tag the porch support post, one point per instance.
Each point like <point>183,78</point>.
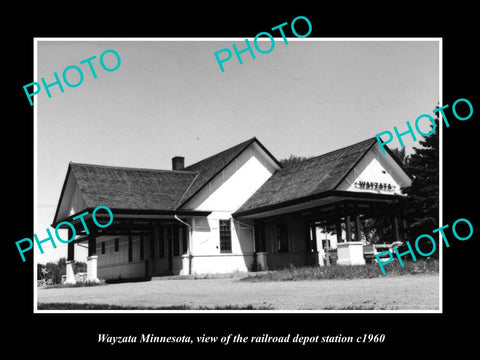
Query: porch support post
<point>152,243</point>
<point>338,229</point>
<point>186,258</point>
<point>92,243</point>
<point>348,228</point>
<point>70,247</point>
<point>70,278</point>
<point>403,223</point>
<point>260,247</point>
<point>130,247</point>
<point>307,226</point>
<point>404,229</point>
<point>261,257</point>
<point>189,230</point>
<point>151,254</point>
<point>357,228</point>
<point>92,257</point>
<point>396,235</point>
<point>310,243</point>
<point>313,229</point>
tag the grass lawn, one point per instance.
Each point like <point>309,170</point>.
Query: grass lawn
<point>367,271</point>
<point>86,306</point>
<point>289,289</point>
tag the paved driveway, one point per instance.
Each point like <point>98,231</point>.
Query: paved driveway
<point>418,292</point>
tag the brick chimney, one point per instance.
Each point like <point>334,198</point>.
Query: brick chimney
<point>178,163</point>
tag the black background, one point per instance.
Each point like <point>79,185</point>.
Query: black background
<point>407,334</point>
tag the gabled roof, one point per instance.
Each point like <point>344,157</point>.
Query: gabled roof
<point>124,188</point>
<point>131,188</point>
<point>208,168</point>
<point>307,178</point>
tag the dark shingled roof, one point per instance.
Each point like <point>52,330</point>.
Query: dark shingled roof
<point>169,190</point>
<point>309,177</point>
<point>149,189</point>
<point>130,188</point>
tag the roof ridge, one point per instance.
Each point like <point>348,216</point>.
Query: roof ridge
<point>328,153</point>
<point>241,148</point>
<point>309,177</point>
<point>249,141</point>
<point>343,148</point>
<point>180,200</point>
<point>134,168</point>
<point>356,162</point>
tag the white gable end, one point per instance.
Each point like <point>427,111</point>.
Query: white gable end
<point>72,200</point>
<point>236,183</point>
<point>376,173</point>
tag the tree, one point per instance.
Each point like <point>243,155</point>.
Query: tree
<point>79,266</point>
<point>377,230</point>
<point>380,229</point>
<point>402,156</point>
<point>56,270</point>
<point>293,159</point>
<point>422,211</point>
<point>41,268</point>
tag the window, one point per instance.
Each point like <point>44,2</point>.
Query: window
<point>116,245</point>
<point>282,240</point>
<point>176,241</point>
<point>225,236</point>
<point>161,243</point>
<point>103,247</point>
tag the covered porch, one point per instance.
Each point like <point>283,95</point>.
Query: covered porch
<point>324,231</point>
<point>136,246</point>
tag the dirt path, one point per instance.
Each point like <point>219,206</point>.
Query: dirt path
<point>410,292</point>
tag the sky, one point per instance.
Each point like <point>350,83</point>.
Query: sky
<point>170,98</point>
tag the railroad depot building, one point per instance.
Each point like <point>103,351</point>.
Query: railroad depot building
<point>237,210</point>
